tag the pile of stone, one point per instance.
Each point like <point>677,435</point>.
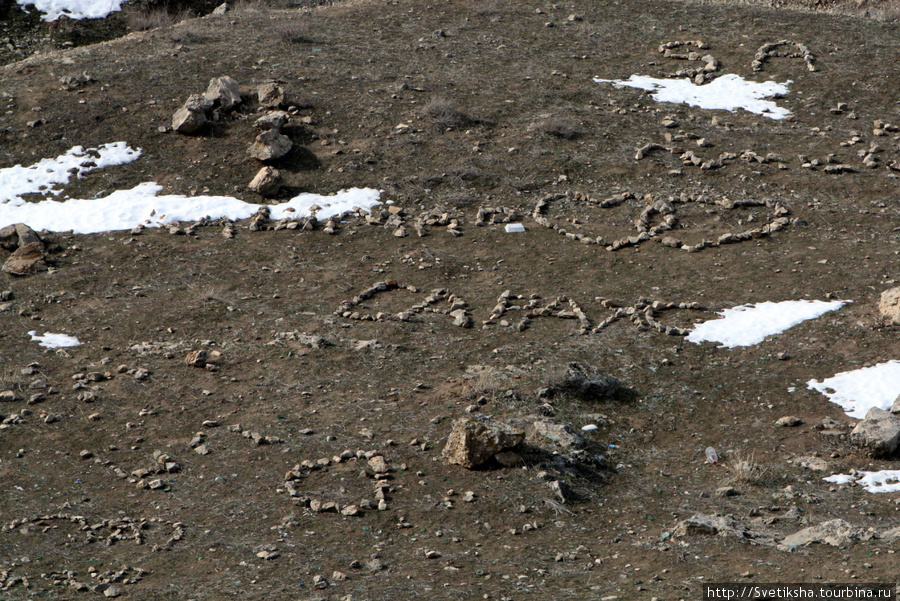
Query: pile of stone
<point>793,50</point>
<point>165,464</point>
<point>665,208</point>
<point>28,251</point>
<point>377,467</point>
<point>644,313</point>
<point>120,529</point>
<point>257,437</point>
<point>699,75</point>
<point>533,310</point>
<point>222,95</point>
<point>495,215</point>
<point>882,128</point>
<point>437,218</point>
<point>106,583</point>
<point>458,308</point>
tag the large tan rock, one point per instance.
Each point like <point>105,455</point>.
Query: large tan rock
<point>270,95</point>
<point>890,305</point>
<point>878,433</point>
<point>270,145</point>
<point>546,432</point>
<point>26,260</point>
<point>473,441</point>
<point>267,182</point>
<point>223,92</point>
<point>836,533</point>
<point>188,121</point>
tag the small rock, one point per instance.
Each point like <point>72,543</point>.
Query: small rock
<point>461,318</point>
<point>196,358</point>
<point>272,120</point>
<point>379,465</point>
<point>270,145</point>
<point>815,464</point>
<point>320,582</point>
<point>187,121</point>
<point>112,592</point>
<point>223,92</point>
<point>201,449</point>
<point>350,510</point>
<point>789,421</point>
<point>727,491</point>
<point>221,9</point>
<point>267,182</point>
<point>8,396</point>
<point>468,497</point>
<point>270,95</point>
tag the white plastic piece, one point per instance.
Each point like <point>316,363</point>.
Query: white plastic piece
<point>512,228</point>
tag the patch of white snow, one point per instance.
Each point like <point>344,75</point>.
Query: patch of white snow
<point>48,340</point>
<point>728,92</point>
<point>747,325</point>
<point>874,482</point>
<point>74,9</point>
<point>43,175</point>
<point>859,390</point>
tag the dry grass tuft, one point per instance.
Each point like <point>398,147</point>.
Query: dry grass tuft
<point>445,115</point>
<point>560,127</point>
<point>145,19</point>
<point>295,33</point>
<point>745,469</point>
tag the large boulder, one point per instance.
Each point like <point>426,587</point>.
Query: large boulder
<point>890,305</point>
<point>895,408</point>
<point>26,260</point>
<point>473,441</point>
<point>583,381</point>
<point>836,533</point>
<point>878,433</point>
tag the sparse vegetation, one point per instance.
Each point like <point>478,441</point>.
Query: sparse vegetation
<point>445,115</point>
<point>745,468</point>
<point>557,126</point>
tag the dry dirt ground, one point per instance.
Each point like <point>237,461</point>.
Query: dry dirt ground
<point>498,110</point>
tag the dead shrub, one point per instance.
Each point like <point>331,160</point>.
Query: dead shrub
<point>557,126</point>
<point>445,115</point>
<point>295,33</point>
<point>138,19</point>
<point>745,469</point>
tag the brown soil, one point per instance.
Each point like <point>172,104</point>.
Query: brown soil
<point>521,119</point>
